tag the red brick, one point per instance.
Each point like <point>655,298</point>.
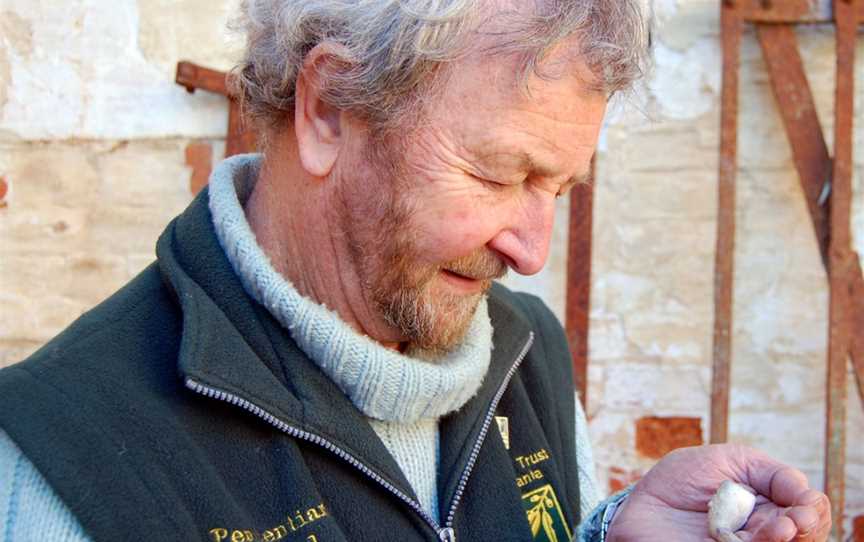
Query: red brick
<point>199,156</point>
<point>857,529</point>
<point>4,189</point>
<point>657,436</point>
<point>620,478</point>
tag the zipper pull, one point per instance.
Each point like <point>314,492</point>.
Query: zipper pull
<point>447,535</point>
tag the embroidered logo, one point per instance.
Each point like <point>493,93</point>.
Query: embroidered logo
<point>545,516</point>
<point>504,428</point>
<point>290,524</point>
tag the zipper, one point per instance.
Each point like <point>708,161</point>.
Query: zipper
<point>487,421</point>
<point>220,395</point>
<point>446,533</point>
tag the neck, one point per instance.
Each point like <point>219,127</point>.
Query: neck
<point>300,236</point>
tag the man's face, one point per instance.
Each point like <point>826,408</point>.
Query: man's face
<point>401,275</point>
<point>433,217</point>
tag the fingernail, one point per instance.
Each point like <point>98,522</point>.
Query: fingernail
<point>807,531</point>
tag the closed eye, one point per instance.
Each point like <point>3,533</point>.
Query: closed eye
<point>495,185</point>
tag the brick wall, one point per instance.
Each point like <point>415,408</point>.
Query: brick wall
<point>93,163</point>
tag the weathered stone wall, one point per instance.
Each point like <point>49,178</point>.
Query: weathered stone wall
<point>652,298</point>
<point>93,133</point>
<point>93,138</point>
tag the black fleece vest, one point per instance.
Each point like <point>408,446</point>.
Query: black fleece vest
<point>179,409</point>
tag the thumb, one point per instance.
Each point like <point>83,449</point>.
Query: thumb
<point>779,482</point>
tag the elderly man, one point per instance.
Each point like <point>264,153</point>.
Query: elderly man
<point>319,352</point>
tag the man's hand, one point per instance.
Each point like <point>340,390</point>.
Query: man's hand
<point>670,503</point>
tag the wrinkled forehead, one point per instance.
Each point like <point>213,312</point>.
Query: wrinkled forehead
<point>483,114</point>
<point>495,81</point>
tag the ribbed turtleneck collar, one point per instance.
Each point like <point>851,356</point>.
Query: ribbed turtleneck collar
<point>382,383</point>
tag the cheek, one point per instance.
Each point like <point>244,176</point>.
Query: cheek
<point>451,232</point>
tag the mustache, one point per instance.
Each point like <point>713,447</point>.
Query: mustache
<point>482,264</point>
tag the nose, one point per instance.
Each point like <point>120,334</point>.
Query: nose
<point>524,238</point>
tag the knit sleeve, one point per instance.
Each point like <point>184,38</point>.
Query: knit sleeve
<point>589,493</point>
<point>593,528</point>
<point>596,514</point>
<point>29,508</point>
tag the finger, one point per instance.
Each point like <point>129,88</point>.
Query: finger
<point>820,534</point>
<point>781,529</point>
<point>787,485</point>
<point>806,519</point>
<point>780,483</point>
<point>817,501</point>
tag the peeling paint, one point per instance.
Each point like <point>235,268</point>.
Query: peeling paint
<point>5,78</point>
<point>17,32</point>
<point>686,85</point>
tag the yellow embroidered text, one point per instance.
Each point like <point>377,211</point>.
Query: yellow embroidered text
<point>532,459</point>
<point>292,523</point>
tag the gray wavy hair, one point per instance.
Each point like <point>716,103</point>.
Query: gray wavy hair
<point>396,49</point>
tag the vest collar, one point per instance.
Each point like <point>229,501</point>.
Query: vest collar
<point>232,344</point>
<point>382,383</point>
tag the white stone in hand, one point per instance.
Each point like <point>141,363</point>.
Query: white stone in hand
<point>729,510</point>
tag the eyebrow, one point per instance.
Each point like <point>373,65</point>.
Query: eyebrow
<point>582,178</point>
<point>530,164</point>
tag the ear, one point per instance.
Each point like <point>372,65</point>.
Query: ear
<point>317,124</point>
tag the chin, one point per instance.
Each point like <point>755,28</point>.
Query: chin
<point>443,322</point>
